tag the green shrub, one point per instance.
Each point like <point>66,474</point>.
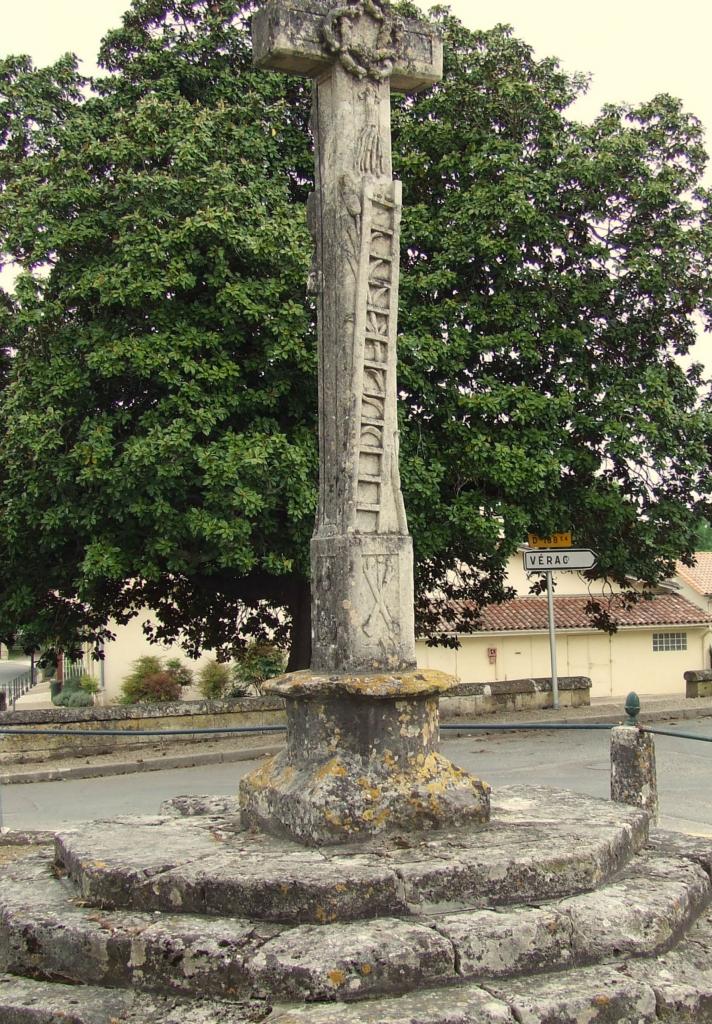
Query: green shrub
<point>79,699</point>
<point>256,664</point>
<point>76,692</point>
<point>89,685</point>
<point>180,671</point>
<point>144,686</point>
<point>214,680</point>
<point>132,688</point>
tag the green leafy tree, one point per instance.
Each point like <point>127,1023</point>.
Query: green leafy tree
<point>254,666</point>
<point>159,421</point>
<point>704,537</point>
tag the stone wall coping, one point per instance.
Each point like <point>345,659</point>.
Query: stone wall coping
<point>703,675</point>
<point>510,686</point>
<point>182,709</point>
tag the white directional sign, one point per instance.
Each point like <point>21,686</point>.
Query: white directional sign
<point>559,560</point>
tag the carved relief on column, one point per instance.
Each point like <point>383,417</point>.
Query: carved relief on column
<point>365,36</point>
<point>370,157</point>
<point>382,578</point>
<point>376,506</point>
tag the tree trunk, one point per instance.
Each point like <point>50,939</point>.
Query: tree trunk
<point>300,609</point>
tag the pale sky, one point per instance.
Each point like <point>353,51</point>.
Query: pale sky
<point>633,48</point>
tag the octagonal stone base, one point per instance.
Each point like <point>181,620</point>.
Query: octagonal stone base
<point>361,760</point>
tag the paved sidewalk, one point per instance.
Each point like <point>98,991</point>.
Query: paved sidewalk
<point>233,748</point>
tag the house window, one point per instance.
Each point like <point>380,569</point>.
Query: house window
<point>669,641</point>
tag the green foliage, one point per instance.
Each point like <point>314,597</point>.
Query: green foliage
<point>78,699</point>
<point>253,666</point>
<point>89,685</point>
<point>180,671</point>
<point>214,680</point>
<point>149,682</point>
<point>153,688</point>
<point>704,537</point>
<point>76,692</point>
<point>159,415</point>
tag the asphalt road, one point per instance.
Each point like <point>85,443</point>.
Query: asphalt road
<point>570,760</point>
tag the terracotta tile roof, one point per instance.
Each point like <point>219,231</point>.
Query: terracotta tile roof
<point>699,577</point>
<point>530,613</point>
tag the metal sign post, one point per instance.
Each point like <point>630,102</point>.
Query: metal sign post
<point>552,640</point>
<point>558,558</point>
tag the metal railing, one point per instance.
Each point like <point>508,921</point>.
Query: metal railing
<point>18,687</point>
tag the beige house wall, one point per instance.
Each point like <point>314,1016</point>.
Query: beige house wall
<point>616,664</point>
<point>130,644</point>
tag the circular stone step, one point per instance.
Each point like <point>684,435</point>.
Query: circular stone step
<point>541,844</point>
<point>45,932</point>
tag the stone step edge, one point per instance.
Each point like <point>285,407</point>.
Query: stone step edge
<point>598,995</point>
<point>183,884</point>
<point>189,955</point>
<point>29,1001</point>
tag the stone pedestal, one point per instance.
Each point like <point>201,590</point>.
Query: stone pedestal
<point>633,774</point>
<point>361,760</point>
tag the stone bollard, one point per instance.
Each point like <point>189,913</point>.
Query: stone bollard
<point>3,700</point>
<point>633,775</point>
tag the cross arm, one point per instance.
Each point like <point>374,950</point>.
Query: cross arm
<point>286,36</point>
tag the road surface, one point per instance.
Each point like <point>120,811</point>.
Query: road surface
<point>570,760</point>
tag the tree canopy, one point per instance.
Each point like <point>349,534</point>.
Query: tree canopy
<point>158,405</point>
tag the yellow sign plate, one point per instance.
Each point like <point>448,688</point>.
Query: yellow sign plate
<point>557,540</point>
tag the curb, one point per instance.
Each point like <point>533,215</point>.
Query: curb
<point>152,764</point>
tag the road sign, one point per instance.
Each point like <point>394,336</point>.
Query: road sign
<point>556,540</point>
<point>559,561</point>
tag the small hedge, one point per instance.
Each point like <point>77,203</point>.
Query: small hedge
<point>153,682</point>
<point>76,692</point>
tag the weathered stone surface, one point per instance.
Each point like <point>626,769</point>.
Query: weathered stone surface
<point>24,1001</point>
<point>467,699</point>
<point>287,36</point>
<point>597,995</point>
<point>361,760</point>
<point>219,869</point>
<point>698,684</point>
<point>674,844</point>
<point>682,978</point>
<point>44,932</point>
<point>352,961</point>
<point>633,775</point>
<point>200,806</point>
<point>383,773</point>
<point>209,865</point>
<point>203,714</point>
<point>642,914</point>
<point>492,944</point>
<point>465,1004</point>
<point>349,797</point>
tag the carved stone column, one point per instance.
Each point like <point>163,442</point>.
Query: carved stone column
<point>362,723</point>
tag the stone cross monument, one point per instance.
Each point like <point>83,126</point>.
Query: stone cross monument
<point>362,724</point>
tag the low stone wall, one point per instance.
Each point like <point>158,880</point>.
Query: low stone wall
<point>465,700</point>
<point>698,684</point>
<point>205,714</point>
<point>472,699</point>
